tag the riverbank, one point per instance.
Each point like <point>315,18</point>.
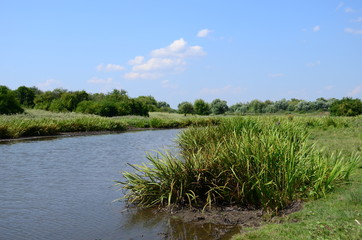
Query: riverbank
<point>34,124</point>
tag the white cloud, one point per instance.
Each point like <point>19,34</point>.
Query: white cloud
<point>226,90</point>
<point>137,75</point>
<point>163,61</point>
<point>203,33</point>
<point>316,28</point>
<point>276,75</point>
<point>110,67</point>
<point>100,80</point>
<point>357,90</point>
<point>314,64</point>
<point>158,63</point>
<point>168,84</point>
<point>178,48</point>
<point>353,31</point>
<point>349,10</point>
<point>329,87</point>
<point>340,5</point>
<point>105,84</point>
<point>357,20</point>
<point>136,60</point>
<point>50,84</point>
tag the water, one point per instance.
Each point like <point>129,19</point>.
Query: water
<point>62,188</point>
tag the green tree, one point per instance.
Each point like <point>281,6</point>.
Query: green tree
<point>149,101</point>
<point>185,108</point>
<point>201,107</point>
<point>25,96</point>
<point>8,102</point>
<point>346,107</point>
<point>218,106</point>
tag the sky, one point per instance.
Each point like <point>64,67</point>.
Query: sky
<point>179,51</point>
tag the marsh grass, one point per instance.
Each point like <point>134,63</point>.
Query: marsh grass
<point>259,162</point>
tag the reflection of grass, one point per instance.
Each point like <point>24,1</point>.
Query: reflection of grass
<point>262,162</point>
<point>339,214</point>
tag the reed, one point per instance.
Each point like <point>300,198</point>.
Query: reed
<point>252,161</point>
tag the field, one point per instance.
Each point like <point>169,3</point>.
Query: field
<point>332,208</point>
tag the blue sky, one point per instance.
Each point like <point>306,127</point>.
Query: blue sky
<point>185,50</point>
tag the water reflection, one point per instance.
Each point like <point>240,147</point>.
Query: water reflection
<point>62,189</point>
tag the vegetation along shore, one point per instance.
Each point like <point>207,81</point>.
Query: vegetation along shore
<point>266,156</point>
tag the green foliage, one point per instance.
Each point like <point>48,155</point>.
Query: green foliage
<point>244,161</point>
<point>218,107</point>
<point>8,102</point>
<point>186,108</point>
<point>26,96</point>
<point>346,107</point>
<point>201,107</point>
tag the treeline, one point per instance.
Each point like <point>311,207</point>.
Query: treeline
<point>118,103</point>
<point>343,107</point>
<point>115,103</point>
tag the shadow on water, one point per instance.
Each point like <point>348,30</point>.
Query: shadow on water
<point>171,227</point>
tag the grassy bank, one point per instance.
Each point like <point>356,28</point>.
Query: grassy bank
<point>264,162</point>
<point>339,214</point>
<point>44,123</point>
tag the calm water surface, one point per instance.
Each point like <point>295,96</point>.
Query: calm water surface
<point>62,188</point>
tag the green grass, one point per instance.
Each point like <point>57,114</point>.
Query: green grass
<point>44,123</point>
<point>265,162</point>
<point>339,214</point>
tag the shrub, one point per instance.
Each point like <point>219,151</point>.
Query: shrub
<point>346,107</point>
<point>8,102</point>
<point>247,162</point>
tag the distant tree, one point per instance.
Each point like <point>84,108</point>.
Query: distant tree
<point>149,101</point>
<point>25,96</point>
<point>256,106</point>
<point>185,108</point>
<point>218,106</point>
<point>8,102</point>
<point>201,107</point>
<point>346,107</point>
<point>321,104</point>
<point>304,106</point>
<point>281,105</point>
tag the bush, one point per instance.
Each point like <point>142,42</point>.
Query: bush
<point>8,102</point>
<point>245,162</point>
<point>346,107</point>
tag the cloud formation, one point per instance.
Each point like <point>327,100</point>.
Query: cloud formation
<point>349,10</point>
<point>50,84</point>
<point>353,31</point>
<point>276,75</point>
<point>357,20</point>
<point>167,84</point>
<point>105,84</point>
<point>356,91</point>
<point>163,61</point>
<point>340,5</point>
<point>316,28</point>
<point>110,67</point>
<point>203,33</point>
<point>314,64</point>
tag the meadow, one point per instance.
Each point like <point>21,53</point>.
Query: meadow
<point>44,123</point>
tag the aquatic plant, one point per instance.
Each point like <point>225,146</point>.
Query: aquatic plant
<point>252,162</point>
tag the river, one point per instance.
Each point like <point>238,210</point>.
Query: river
<point>62,188</point>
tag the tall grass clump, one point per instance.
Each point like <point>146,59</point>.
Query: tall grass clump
<point>251,162</point>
